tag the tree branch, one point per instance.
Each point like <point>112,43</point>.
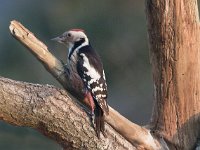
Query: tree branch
<point>51,111</point>
<point>61,115</point>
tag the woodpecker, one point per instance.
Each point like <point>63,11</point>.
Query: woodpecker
<point>83,60</point>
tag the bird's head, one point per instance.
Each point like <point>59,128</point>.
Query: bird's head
<point>71,37</point>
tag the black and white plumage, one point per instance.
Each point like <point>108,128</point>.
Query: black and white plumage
<point>84,61</point>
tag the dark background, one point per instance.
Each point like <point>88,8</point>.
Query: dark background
<point>117,30</point>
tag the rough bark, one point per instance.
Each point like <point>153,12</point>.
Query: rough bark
<point>174,38</point>
<point>51,111</point>
<point>173,28</point>
<point>67,133</point>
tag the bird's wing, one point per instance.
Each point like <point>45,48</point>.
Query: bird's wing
<point>90,69</point>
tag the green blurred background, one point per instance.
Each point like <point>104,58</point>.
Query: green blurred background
<point>117,30</point>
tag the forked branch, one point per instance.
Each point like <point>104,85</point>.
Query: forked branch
<point>59,103</point>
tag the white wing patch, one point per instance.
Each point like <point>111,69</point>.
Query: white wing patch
<point>104,77</point>
<point>92,81</point>
<point>97,89</point>
<point>96,82</point>
<point>91,70</point>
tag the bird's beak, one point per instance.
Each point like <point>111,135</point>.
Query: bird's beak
<point>59,39</point>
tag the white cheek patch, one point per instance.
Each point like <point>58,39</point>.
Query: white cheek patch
<point>71,45</point>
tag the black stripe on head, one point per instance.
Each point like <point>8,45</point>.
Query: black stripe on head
<point>76,44</point>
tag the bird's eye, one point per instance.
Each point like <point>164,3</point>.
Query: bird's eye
<point>69,34</point>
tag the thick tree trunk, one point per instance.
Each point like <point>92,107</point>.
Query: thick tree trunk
<point>173,28</point>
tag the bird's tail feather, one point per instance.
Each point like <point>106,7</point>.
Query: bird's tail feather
<point>99,121</point>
